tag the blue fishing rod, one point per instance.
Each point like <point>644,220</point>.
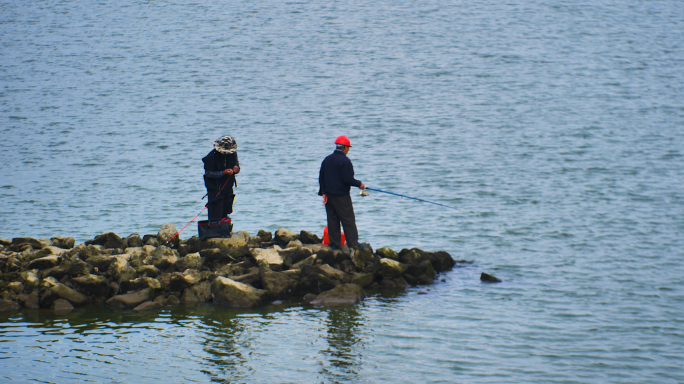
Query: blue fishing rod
<point>408,197</point>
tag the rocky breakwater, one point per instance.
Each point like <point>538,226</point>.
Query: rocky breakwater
<point>241,271</point>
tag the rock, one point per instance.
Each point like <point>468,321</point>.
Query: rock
<point>235,294</point>
<point>45,262</point>
<point>164,257</point>
<point>268,255</point>
<point>441,261</point>
<point>15,286</point>
<point>278,285</point>
<point>190,261</point>
<point>387,253</point>
<point>92,285</point>
<point>391,269</point>
<point>172,300</point>
<point>31,300</point>
<point>179,281</point>
<point>198,293</point>
<point>294,244</point>
<point>92,250</point>
<point>107,240</point>
<point>148,305</point>
<point>293,255</point>
<point>31,280</point>
<point>363,257</point>
<point>61,291</point>
<point>152,242</point>
<point>344,294</point>
<point>487,278</point>
<point>63,242</point>
<point>131,300</point>
<point>101,262</point>
<point>211,254</point>
<point>19,241</point>
<point>79,268</point>
<point>363,279</point>
<point>120,270</point>
<point>284,236</point>
<point>411,257</point>
<point>307,237</point>
<point>6,305</point>
<point>167,231</point>
<point>311,260</point>
<point>248,278</point>
<point>234,246</point>
<point>264,235</point>
<point>133,241</point>
<point>333,274</point>
<point>140,283</point>
<point>61,305</point>
<point>309,297</point>
<point>148,270</point>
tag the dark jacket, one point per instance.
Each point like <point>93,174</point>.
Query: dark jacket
<point>215,161</point>
<point>337,175</point>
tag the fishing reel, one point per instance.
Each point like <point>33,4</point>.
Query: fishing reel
<point>363,193</point>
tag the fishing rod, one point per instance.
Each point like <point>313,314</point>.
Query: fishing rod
<point>408,197</point>
<point>193,219</point>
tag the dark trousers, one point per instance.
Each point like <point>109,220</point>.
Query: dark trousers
<point>221,206</point>
<point>340,209</point>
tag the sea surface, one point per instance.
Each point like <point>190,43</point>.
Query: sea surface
<point>556,128</point>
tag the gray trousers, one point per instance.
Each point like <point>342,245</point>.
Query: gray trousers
<point>340,209</point>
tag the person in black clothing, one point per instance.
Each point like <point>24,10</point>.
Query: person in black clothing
<point>220,167</point>
<point>335,179</point>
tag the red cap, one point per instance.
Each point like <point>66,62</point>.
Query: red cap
<point>344,140</point>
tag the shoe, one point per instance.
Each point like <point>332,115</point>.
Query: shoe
<point>336,248</point>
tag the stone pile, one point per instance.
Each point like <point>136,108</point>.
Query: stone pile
<point>241,271</point>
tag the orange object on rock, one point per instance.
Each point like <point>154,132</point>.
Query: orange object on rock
<point>326,240</point>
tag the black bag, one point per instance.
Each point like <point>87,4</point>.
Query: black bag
<point>207,229</point>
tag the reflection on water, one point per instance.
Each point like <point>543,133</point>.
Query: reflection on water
<point>344,344</point>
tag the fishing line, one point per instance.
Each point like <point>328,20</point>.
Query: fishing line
<point>193,219</point>
<point>408,197</point>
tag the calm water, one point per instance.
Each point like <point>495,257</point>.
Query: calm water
<point>557,128</point>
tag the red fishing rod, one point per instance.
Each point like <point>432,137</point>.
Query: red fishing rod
<point>205,207</point>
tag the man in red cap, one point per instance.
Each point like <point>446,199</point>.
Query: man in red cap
<point>335,180</point>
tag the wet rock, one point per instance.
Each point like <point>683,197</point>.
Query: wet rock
<point>268,255</point>
<point>198,293</point>
<point>387,253</point>
<point>264,235</point>
<point>345,294</point>
<point>487,278</point>
<point>92,285</point>
<point>31,300</point>
<point>232,293</point>
<point>133,241</point>
<point>179,281</point>
<point>172,300</point>
<point>284,236</point>
<point>390,268</point>
<point>61,291</point>
<point>107,240</point>
<point>309,297</point>
<point>363,279</point>
<point>7,305</point>
<point>441,261</point>
<point>307,237</point>
<point>411,256</point>
<point>278,285</point>
<point>148,305</point>
<point>131,300</point>
<point>61,305</point>
<point>63,242</point>
<point>45,262</point>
